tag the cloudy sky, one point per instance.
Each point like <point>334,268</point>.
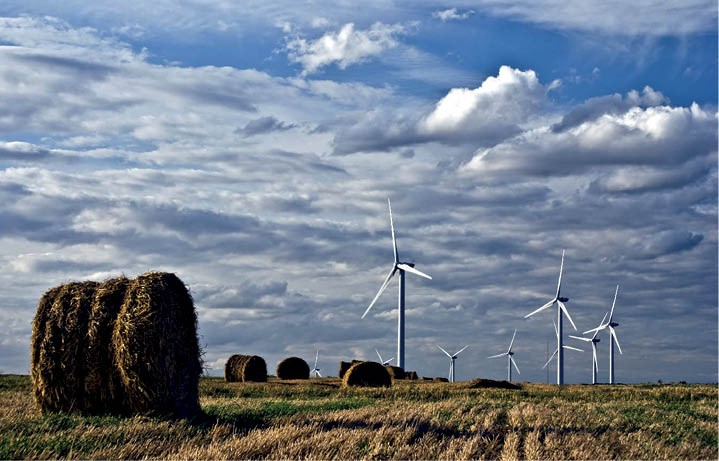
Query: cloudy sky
<point>250,147</point>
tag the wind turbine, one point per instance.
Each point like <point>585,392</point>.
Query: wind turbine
<point>612,336</point>
<point>452,358</point>
<point>383,362</point>
<point>564,346</point>
<point>561,308</point>
<point>316,370</point>
<point>400,267</point>
<point>594,340</point>
<point>510,359</point>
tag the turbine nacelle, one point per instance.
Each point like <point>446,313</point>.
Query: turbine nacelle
<point>562,299</point>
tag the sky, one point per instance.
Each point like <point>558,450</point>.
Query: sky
<point>250,148</point>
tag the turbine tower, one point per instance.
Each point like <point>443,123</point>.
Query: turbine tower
<point>564,346</point>
<point>316,370</point>
<point>400,267</point>
<point>510,359</point>
<point>382,361</point>
<point>452,358</point>
<point>593,340</point>
<point>612,336</point>
<point>561,308</point>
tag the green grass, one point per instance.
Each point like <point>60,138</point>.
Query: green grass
<point>427,420</point>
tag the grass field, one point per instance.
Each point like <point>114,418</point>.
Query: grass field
<point>420,420</point>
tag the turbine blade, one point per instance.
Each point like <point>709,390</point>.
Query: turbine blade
<point>515,364</point>
<point>381,289</point>
<point>573,348</point>
<point>596,330</point>
<point>380,357</point>
<point>408,268</point>
<point>541,308</point>
<point>317,356</point>
<point>394,241</point>
<point>566,312</point>
<point>594,356</point>
<point>550,358</point>
<point>498,355</point>
<point>613,332</point>
<point>387,362</point>
<point>512,341</point>
<point>581,338</point>
<point>599,328</point>
<point>559,282</point>
<point>556,330</point>
<point>457,353</point>
<point>448,354</point>
<point>318,373</point>
<point>611,312</point>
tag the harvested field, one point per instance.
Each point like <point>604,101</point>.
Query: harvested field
<point>412,419</point>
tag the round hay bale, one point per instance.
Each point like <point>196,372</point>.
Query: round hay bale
<point>156,349</point>
<point>395,372</point>
<point>293,368</point>
<point>103,386</point>
<point>441,379</point>
<point>245,368</point>
<point>412,375</point>
<point>58,347</point>
<point>367,374</point>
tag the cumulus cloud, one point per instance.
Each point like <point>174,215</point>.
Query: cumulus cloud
<point>264,125</point>
<point>345,47</point>
<point>451,14</point>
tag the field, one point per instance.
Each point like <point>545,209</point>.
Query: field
<point>412,420</point>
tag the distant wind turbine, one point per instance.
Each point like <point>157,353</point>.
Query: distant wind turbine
<point>593,340</point>
<point>561,308</point>
<point>452,358</point>
<point>400,267</point>
<point>383,362</point>
<point>316,370</point>
<point>612,336</point>
<point>510,359</point>
<point>564,346</point>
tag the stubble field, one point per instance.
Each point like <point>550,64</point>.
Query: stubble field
<point>412,420</point>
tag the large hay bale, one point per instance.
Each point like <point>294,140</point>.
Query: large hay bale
<point>479,383</point>
<point>395,372</point>
<point>245,368</point>
<point>103,385</point>
<point>367,374</point>
<point>344,366</point>
<point>156,348</point>
<point>293,368</point>
<point>58,347</point>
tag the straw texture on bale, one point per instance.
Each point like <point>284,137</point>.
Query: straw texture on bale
<point>293,368</point>
<point>243,368</point>
<point>156,348</point>
<point>367,374</point>
<point>57,347</point>
<point>121,346</point>
<point>395,372</point>
<point>103,386</point>
<point>344,366</point>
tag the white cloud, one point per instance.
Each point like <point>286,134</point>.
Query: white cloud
<point>451,14</point>
<point>344,47</point>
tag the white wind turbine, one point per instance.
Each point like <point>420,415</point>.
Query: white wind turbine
<point>452,358</point>
<point>400,267</point>
<point>510,359</point>
<point>564,346</point>
<point>593,340</point>
<point>383,362</point>
<point>561,308</point>
<point>316,370</point>
<point>612,336</point>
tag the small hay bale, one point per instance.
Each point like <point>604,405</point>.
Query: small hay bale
<point>426,378</point>
<point>344,366</point>
<point>411,375</point>
<point>367,374</point>
<point>103,386</point>
<point>395,372</point>
<point>293,368</point>
<point>58,347</point>
<point>156,348</point>
<point>245,368</point>
<point>480,383</point>
<point>441,379</point>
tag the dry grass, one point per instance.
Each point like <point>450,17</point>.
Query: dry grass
<point>412,420</point>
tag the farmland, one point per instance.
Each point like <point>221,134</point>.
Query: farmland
<point>411,420</point>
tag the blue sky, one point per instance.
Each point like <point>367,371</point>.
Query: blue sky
<point>250,148</point>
